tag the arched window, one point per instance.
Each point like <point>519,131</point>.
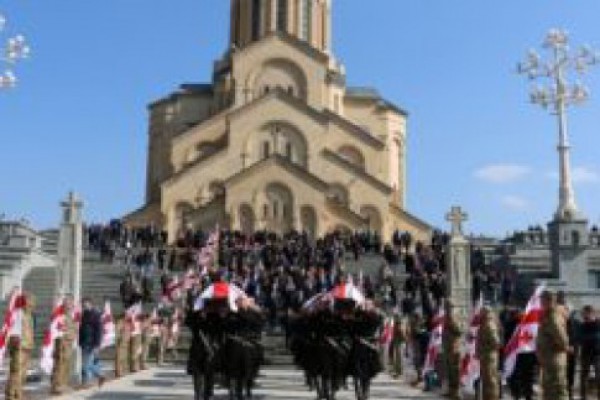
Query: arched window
<point>256,19</point>
<point>306,28</point>
<point>266,150</point>
<point>288,151</point>
<point>282,15</point>
<point>575,239</point>
<point>352,155</point>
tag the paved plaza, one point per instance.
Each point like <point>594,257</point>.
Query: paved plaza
<point>170,383</point>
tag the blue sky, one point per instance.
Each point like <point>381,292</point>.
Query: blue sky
<point>78,118</point>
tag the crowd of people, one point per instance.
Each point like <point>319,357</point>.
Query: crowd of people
<point>281,274</point>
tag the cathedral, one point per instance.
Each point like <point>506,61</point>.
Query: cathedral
<point>277,141</point>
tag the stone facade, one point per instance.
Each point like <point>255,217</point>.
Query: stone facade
<point>21,249</point>
<point>277,141</point>
<point>566,256</point>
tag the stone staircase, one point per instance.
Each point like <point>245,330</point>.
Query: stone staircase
<point>276,353</point>
<point>101,280</point>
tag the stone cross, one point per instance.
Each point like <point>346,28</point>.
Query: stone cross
<point>71,209</point>
<point>458,264</point>
<point>456,216</point>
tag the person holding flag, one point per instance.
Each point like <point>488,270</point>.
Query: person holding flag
<point>451,334</point>
<point>434,347</point>
<point>552,343</point>
<point>108,327</point>
<point>17,336</point>
<point>133,318</point>
<point>469,366</point>
<point>519,352</point>
<point>60,339</point>
<point>122,337</point>
<point>488,344</point>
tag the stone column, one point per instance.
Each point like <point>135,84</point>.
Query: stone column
<point>235,218</point>
<point>70,249</point>
<point>327,27</point>
<point>70,258</point>
<point>458,262</point>
<point>273,22</point>
<point>297,218</point>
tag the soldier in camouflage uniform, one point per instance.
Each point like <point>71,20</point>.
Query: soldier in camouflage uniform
<point>451,345</point>
<point>19,350</point>
<point>551,347</point>
<point>14,386</point>
<point>27,335</point>
<point>135,346</point>
<point>488,344</point>
<point>121,347</point>
<point>63,351</point>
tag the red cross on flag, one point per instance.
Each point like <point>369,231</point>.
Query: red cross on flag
<point>523,338</point>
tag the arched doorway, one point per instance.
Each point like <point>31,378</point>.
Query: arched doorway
<point>247,219</point>
<point>278,212</point>
<point>373,217</point>
<point>308,221</point>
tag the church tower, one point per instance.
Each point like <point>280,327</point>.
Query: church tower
<point>307,20</point>
<point>277,140</point>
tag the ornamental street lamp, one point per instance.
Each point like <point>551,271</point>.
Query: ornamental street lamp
<point>12,51</point>
<point>555,94</point>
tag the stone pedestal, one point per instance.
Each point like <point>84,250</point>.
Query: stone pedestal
<point>70,259</point>
<point>570,260</point>
<point>458,262</point>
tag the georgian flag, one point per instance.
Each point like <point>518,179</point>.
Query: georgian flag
<point>154,324</point>
<point>387,333</point>
<point>435,341</point>
<point>12,325</point>
<point>54,331</point>
<point>524,336</point>
<point>133,317</point>
<point>220,290</point>
<point>469,364</point>
<point>347,291</point>
<point>108,327</point>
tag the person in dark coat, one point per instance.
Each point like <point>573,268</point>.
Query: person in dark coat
<point>90,339</point>
<point>588,344</point>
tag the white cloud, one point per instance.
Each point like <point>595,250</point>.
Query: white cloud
<point>585,175</point>
<point>514,203</point>
<point>580,175</point>
<point>502,173</point>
